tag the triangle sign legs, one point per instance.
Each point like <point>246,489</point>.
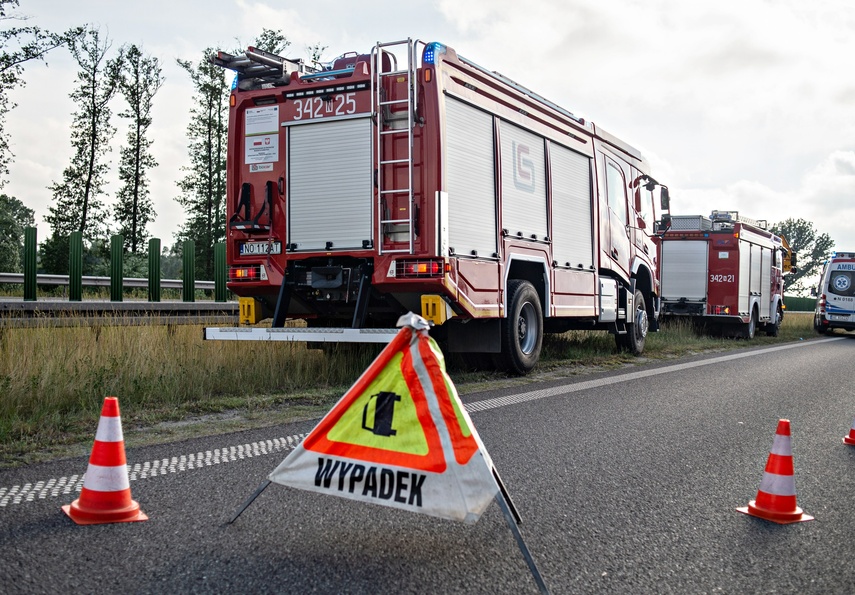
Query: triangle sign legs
<point>512,523</point>
<point>250,500</point>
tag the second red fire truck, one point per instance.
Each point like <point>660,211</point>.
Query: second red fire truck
<point>412,179</point>
<point>726,272</point>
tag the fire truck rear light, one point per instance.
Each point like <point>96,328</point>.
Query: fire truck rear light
<point>420,268</point>
<point>255,272</point>
<point>719,310</point>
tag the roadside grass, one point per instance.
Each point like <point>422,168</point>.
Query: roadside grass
<point>172,384</point>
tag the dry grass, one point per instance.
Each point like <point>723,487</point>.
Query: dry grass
<point>53,380</point>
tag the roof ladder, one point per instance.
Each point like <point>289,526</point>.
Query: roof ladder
<point>389,124</point>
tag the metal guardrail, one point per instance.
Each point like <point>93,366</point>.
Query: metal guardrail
<point>90,281</point>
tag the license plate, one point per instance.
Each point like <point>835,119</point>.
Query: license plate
<point>260,248</point>
<point>840,317</point>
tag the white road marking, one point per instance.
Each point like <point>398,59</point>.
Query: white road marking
<point>53,488</point>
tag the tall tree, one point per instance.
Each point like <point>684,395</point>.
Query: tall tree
<point>812,249</point>
<point>78,205</point>
<point>14,217</point>
<point>203,188</point>
<point>19,45</point>
<point>139,82</point>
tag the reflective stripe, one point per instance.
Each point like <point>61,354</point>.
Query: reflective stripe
<point>782,446</point>
<point>778,485</point>
<point>109,429</point>
<point>106,479</point>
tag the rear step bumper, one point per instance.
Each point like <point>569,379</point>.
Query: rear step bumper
<point>298,335</point>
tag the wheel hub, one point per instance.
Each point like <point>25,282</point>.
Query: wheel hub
<point>641,323</point>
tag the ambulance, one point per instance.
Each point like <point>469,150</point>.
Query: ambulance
<point>835,304</point>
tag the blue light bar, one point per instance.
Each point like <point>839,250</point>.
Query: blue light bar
<point>432,50</point>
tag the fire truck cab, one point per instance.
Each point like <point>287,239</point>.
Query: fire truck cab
<point>412,179</point>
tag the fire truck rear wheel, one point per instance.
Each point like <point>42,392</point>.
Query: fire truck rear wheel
<point>749,329</point>
<point>774,327</point>
<point>522,330</point>
<point>636,330</point>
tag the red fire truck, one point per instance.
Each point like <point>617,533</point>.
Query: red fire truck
<point>726,271</point>
<point>412,179</point>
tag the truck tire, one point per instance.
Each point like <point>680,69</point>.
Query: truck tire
<point>774,327</point>
<point>818,326</point>
<point>522,329</point>
<point>749,329</point>
<point>636,331</point>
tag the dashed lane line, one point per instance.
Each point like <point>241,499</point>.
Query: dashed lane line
<point>53,488</point>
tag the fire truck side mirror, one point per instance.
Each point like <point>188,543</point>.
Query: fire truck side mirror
<point>664,198</point>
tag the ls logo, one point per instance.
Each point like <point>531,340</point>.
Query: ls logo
<point>523,167</point>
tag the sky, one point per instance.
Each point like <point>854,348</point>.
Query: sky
<point>745,105</point>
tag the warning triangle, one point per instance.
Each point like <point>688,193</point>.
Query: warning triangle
<point>399,437</point>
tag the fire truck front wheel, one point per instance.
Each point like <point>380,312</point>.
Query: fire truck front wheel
<point>522,330</point>
<point>636,330</point>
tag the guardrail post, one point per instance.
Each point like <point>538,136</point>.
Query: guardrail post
<point>220,272</point>
<point>188,259</point>
<point>75,266</point>
<point>30,264</point>
<point>154,270</point>
<point>117,270</point>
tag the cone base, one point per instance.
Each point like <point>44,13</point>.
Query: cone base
<point>84,516</point>
<point>850,439</point>
<point>782,518</point>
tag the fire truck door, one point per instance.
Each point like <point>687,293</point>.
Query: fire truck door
<point>618,241</point>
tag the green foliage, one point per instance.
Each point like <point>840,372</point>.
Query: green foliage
<point>78,205</point>
<point>14,217</point>
<point>812,249</point>
<point>19,45</point>
<point>272,41</point>
<point>139,81</point>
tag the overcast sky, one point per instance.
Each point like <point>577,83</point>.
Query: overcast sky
<point>744,105</point>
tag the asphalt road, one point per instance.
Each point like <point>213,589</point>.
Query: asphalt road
<point>627,482</point>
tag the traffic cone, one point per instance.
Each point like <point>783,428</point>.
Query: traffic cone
<point>850,439</point>
<point>776,498</point>
<point>106,493</point>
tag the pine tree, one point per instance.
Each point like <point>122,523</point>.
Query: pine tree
<point>78,205</point>
<point>141,78</point>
